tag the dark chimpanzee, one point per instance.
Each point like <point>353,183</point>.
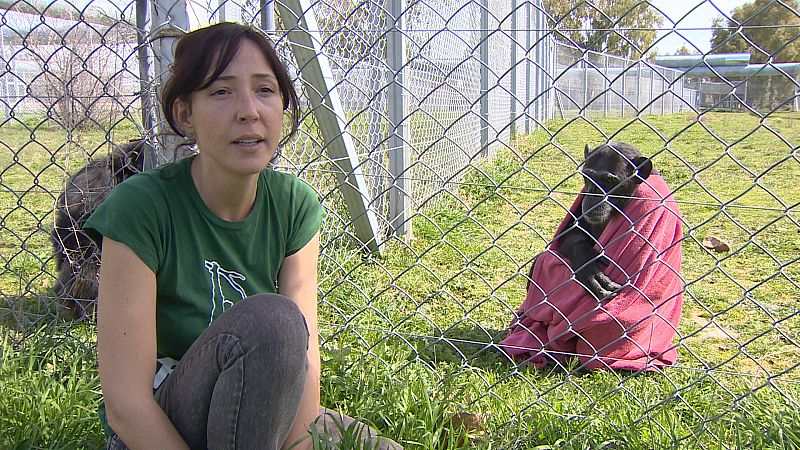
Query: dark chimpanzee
<point>77,256</point>
<point>611,173</point>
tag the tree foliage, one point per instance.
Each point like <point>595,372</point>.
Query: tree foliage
<point>767,29</point>
<point>622,27</point>
<point>684,50</point>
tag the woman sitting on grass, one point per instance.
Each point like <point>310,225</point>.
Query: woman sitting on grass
<point>208,273</point>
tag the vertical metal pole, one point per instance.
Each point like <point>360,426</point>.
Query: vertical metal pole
<point>528,80</point>
<point>399,151</point>
<point>149,110</point>
<point>745,92</point>
<point>672,93</point>
<point>569,94</point>
<point>267,13</point>
<point>547,74</point>
<point>484,56</point>
<point>606,87</point>
<point>5,97</point>
<point>171,20</point>
<point>652,82</point>
<point>542,58</point>
<point>625,99</point>
<point>663,93</point>
<point>698,99</point>
<point>684,79</point>
<point>797,94</point>
<point>221,10</point>
<point>585,62</point>
<point>513,129</point>
<point>540,92</point>
<point>304,37</point>
<point>638,88</point>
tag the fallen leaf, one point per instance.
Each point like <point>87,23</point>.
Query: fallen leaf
<point>716,244</point>
<point>469,425</point>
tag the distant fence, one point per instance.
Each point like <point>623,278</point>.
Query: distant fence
<point>602,85</point>
<point>469,83</point>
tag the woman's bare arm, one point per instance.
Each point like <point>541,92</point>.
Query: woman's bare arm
<point>126,346</point>
<point>298,281</point>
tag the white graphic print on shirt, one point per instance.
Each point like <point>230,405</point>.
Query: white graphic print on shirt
<point>230,279</point>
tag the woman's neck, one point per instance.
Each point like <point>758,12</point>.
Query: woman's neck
<point>229,196</point>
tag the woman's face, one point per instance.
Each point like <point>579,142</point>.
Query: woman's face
<point>237,120</point>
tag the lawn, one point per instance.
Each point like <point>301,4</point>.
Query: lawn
<point>408,336</point>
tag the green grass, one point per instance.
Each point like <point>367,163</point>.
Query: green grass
<point>407,336</point>
<point>50,390</point>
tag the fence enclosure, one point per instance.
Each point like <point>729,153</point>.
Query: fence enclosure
<point>440,117</point>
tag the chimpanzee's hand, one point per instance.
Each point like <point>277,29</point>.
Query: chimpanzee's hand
<point>598,283</point>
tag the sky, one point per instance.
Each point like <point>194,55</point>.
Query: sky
<point>695,27</point>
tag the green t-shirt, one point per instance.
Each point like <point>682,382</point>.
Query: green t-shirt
<point>204,264</point>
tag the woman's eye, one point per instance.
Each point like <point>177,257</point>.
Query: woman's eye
<point>266,89</point>
<point>219,92</point>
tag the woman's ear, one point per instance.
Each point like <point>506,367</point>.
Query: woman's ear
<point>182,112</point>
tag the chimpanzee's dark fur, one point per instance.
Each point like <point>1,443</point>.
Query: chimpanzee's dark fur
<point>611,174</point>
<point>77,256</point>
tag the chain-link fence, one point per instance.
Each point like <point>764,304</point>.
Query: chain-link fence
<point>464,125</point>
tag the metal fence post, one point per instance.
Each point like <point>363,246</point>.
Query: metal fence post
<point>625,98</point>
<point>149,110</point>
<point>541,55</point>
<point>549,50</point>
<point>513,125</point>
<point>221,10</point>
<point>745,92</point>
<point>399,151</point>
<point>169,21</point>
<point>796,102</point>
<point>639,88</point>
<point>585,86</point>
<point>5,100</point>
<point>672,94</point>
<point>663,74</point>
<point>267,13</point>
<point>306,44</point>
<point>652,81</point>
<point>528,80</point>
<point>606,87</point>
<point>484,57</point>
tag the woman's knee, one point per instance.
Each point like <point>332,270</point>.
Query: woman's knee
<point>270,317</point>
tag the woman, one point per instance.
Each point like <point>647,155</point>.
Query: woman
<point>209,266</point>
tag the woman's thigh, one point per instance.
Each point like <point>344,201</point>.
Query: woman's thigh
<point>240,383</point>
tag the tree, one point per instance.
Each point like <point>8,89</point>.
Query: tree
<point>623,27</point>
<point>684,50</point>
<point>82,73</point>
<point>766,29</point>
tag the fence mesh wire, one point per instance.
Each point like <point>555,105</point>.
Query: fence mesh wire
<point>499,101</point>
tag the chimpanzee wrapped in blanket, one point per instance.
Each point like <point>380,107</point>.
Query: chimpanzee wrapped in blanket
<point>628,319</point>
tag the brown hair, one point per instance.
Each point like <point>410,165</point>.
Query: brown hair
<point>202,55</point>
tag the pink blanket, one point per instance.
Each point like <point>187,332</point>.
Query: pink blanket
<point>631,331</point>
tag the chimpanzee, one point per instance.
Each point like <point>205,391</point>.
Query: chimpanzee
<point>77,256</point>
<point>611,173</point>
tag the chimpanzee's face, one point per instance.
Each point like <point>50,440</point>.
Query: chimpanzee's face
<point>609,179</point>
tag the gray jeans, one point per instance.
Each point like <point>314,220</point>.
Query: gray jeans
<point>240,384</point>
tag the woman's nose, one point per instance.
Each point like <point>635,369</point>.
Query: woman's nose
<point>247,110</point>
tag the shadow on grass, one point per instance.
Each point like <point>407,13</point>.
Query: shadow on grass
<point>464,344</point>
